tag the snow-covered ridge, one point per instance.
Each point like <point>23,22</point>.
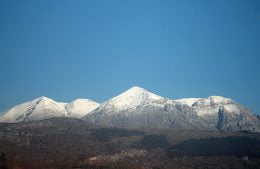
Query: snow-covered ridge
<point>137,107</point>
<point>44,108</point>
<point>80,107</point>
<point>140,107</point>
<point>38,108</point>
<point>187,101</point>
<point>210,105</point>
<point>128,100</point>
<point>131,99</point>
<point>213,100</point>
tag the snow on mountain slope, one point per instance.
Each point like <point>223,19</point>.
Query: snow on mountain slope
<point>45,108</point>
<point>131,99</point>
<point>138,107</point>
<point>212,104</point>
<point>212,100</point>
<point>225,113</point>
<point>80,107</point>
<point>236,117</point>
<point>187,101</point>
<point>37,109</point>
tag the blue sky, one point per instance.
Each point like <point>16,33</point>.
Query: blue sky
<point>97,49</point>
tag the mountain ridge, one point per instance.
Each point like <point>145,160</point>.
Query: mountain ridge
<point>44,108</point>
<point>138,107</point>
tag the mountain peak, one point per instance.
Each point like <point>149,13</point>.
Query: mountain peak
<point>37,109</point>
<point>137,87</point>
<point>43,98</point>
<point>136,90</point>
<point>131,98</point>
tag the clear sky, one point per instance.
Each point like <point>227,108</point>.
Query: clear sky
<point>97,49</point>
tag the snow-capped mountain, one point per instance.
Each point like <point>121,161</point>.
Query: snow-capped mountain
<point>137,107</point>
<point>40,108</point>
<point>131,99</point>
<point>45,108</point>
<point>224,113</point>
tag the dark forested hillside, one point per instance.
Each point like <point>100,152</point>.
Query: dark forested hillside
<point>65,143</point>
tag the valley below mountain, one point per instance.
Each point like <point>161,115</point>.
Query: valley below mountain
<point>66,143</point>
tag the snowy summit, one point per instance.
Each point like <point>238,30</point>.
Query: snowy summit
<point>131,98</point>
<point>138,107</point>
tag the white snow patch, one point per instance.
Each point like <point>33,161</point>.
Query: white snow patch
<point>188,101</point>
<point>80,107</point>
